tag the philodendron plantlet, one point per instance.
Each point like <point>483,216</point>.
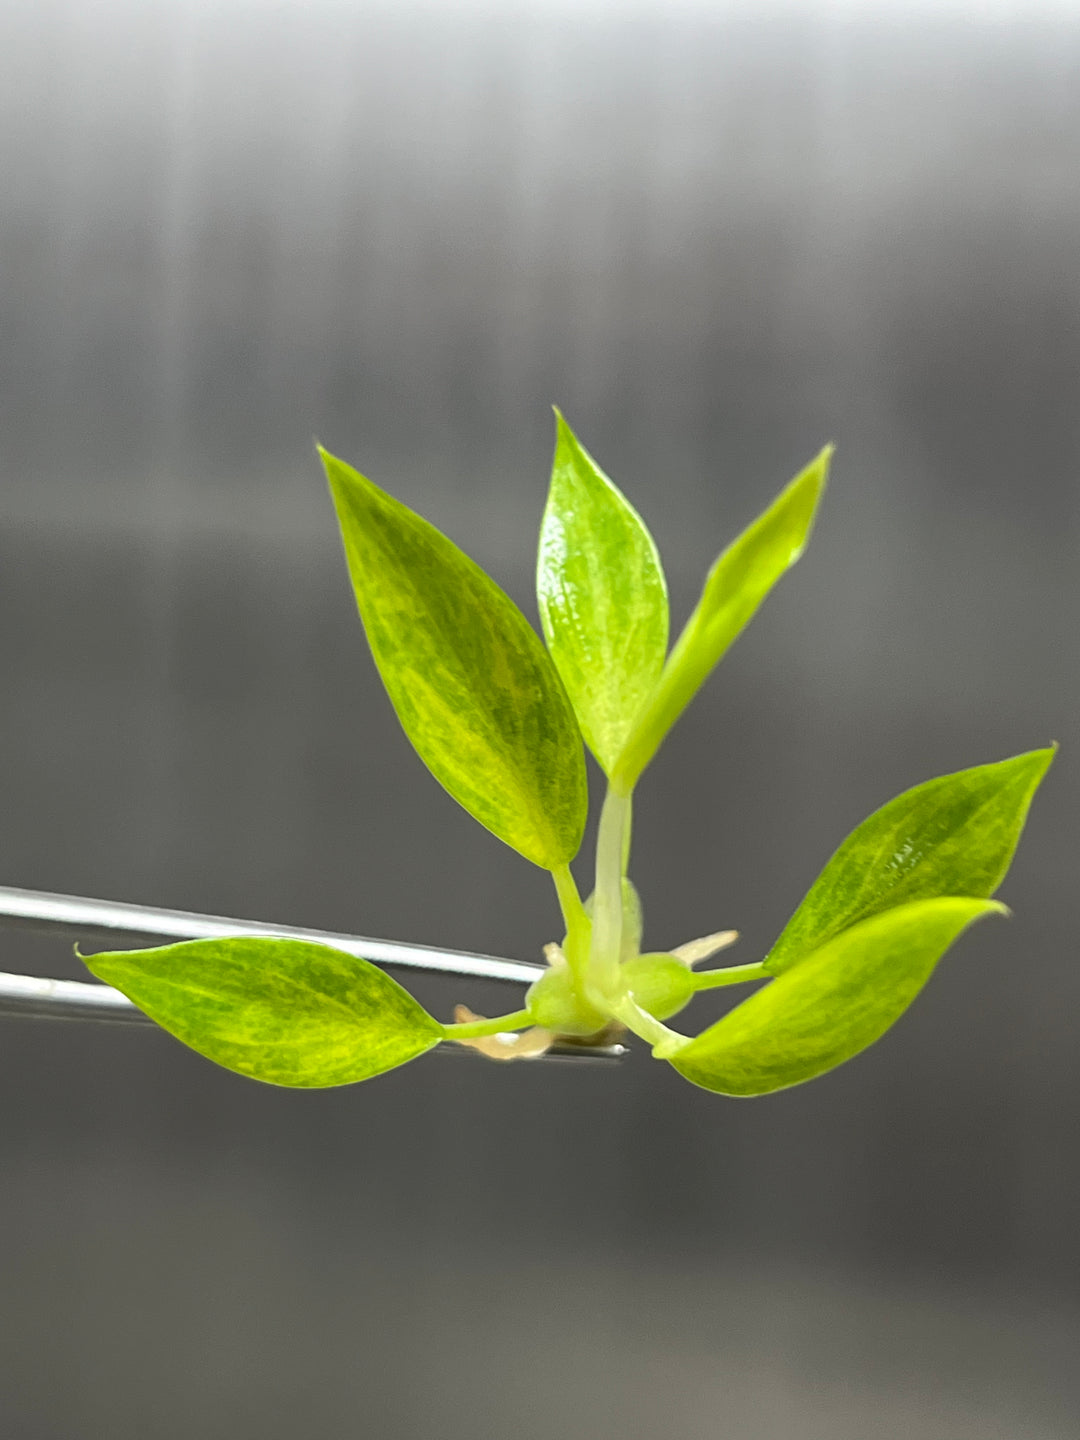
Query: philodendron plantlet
<point>500,720</point>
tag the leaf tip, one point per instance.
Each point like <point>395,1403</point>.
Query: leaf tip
<point>816,474</point>
<point>804,496</point>
<point>347,484</point>
<point>332,467</point>
<point>1037,762</point>
<point>979,909</point>
<point>565,439</point>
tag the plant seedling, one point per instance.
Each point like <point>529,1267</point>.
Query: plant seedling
<point>500,722</point>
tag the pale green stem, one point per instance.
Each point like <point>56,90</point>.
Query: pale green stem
<point>607,897</point>
<point>645,1025</point>
<point>732,975</point>
<point>576,921</point>
<point>475,1029</point>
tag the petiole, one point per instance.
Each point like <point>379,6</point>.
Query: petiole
<point>578,925</point>
<point>475,1029</point>
<point>731,975</point>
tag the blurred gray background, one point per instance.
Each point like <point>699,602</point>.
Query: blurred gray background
<point>716,237</point>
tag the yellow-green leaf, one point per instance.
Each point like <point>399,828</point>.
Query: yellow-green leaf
<point>835,1003</point>
<point>285,1011</point>
<point>954,835</point>
<point>736,586</point>
<point>470,679</point>
<point>603,601</point>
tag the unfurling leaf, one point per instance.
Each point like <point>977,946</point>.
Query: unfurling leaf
<point>603,601</point>
<point>954,835</point>
<point>736,586</point>
<point>633,920</point>
<point>470,679</point>
<point>285,1011</point>
<point>835,1003</point>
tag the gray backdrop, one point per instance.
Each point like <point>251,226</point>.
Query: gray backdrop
<point>716,237</point>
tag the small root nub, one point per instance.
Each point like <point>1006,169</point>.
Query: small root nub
<point>506,1046</point>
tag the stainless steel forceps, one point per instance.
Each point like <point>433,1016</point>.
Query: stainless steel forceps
<point>79,919</point>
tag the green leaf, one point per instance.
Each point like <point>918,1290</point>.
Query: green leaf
<point>735,588</point>
<point>603,601</point>
<point>951,836</point>
<point>470,679</point>
<point>285,1011</point>
<point>836,1003</point>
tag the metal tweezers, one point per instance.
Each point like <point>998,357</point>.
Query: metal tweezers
<point>97,920</point>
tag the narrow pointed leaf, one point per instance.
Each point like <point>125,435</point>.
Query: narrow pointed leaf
<point>836,1003</point>
<point>954,835</point>
<point>603,601</point>
<point>736,586</point>
<point>470,679</point>
<point>285,1011</point>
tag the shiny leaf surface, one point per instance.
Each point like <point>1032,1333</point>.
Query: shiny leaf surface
<point>954,835</point>
<point>285,1011</point>
<point>470,679</point>
<point>834,1004</point>
<point>603,601</point>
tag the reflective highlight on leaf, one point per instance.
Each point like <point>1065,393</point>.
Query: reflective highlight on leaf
<point>285,1011</point>
<point>602,597</point>
<point>954,835</point>
<point>834,1004</point>
<point>736,586</point>
<point>470,679</point>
